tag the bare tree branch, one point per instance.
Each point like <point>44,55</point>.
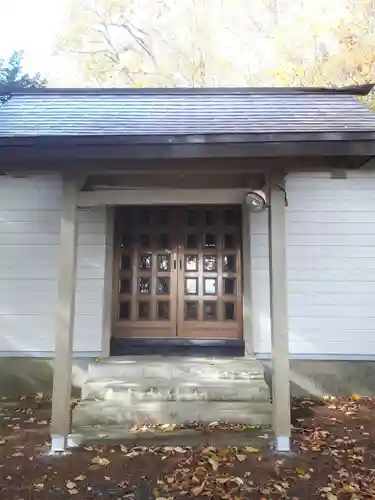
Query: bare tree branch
<point>135,37</point>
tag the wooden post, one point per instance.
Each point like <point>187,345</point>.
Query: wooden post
<point>279,318</point>
<point>61,398</point>
<point>247,298</point>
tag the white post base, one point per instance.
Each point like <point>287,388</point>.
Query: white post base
<point>282,444</point>
<point>59,443</point>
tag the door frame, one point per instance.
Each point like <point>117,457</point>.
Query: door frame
<point>111,198</point>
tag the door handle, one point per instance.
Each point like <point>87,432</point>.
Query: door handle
<point>174,264</point>
<point>180,264</point>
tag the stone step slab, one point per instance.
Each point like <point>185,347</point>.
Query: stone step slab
<point>155,367</point>
<point>169,390</point>
<point>184,437</point>
<point>169,412</point>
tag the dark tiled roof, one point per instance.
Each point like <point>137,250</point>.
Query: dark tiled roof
<point>57,112</point>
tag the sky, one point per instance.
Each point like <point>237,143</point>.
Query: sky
<point>31,26</point>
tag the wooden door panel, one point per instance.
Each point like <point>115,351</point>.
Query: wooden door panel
<point>209,280</point>
<point>177,272</point>
<point>145,295</point>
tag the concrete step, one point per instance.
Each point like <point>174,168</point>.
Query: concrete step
<point>171,390</point>
<point>169,412</point>
<point>116,434</point>
<point>168,390</point>
<point>133,369</point>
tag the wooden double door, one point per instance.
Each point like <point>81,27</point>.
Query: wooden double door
<point>177,272</point>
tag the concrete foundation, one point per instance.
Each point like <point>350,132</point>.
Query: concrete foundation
<point>22,376</point>
<point>329,378</point>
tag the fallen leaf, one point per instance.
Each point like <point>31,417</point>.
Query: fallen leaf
<point>222,480</point>
<point>250,449</point>
<point>80,478</point>
<point>197,490</point>
<point>279,488</point>
<point>73,491</point>
<point>348,488</point>
<point>100,461</point>
<point>178,449</point>
<point>70,485</point>
<point>167,427</point>
<point>241,458</point>
<point>236,480</point>
<point>214,464</point>
<point>133,454</point>
<point>209,450</point>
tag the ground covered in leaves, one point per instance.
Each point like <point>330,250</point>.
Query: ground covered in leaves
<point>334,458</point>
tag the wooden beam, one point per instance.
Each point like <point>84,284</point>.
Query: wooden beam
<point>61,398</point>
<point>108,280</point>
<point>247,298</point>
<point>156,179</point>
<point>161,196</point>
<point>279,318</point>
<point>251,166</point>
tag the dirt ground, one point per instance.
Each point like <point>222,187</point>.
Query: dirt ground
<point>334,458</point>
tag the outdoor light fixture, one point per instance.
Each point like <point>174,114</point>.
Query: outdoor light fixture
<point>256,201</point>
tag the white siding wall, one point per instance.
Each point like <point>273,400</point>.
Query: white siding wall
<point>330,234</point>
<point>29,246</point>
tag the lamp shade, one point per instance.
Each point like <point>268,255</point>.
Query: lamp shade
<point>257,201</point>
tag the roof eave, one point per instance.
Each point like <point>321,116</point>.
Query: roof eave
<point>47,155</point>
<point>185,139</point>
<point>355,90</point>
